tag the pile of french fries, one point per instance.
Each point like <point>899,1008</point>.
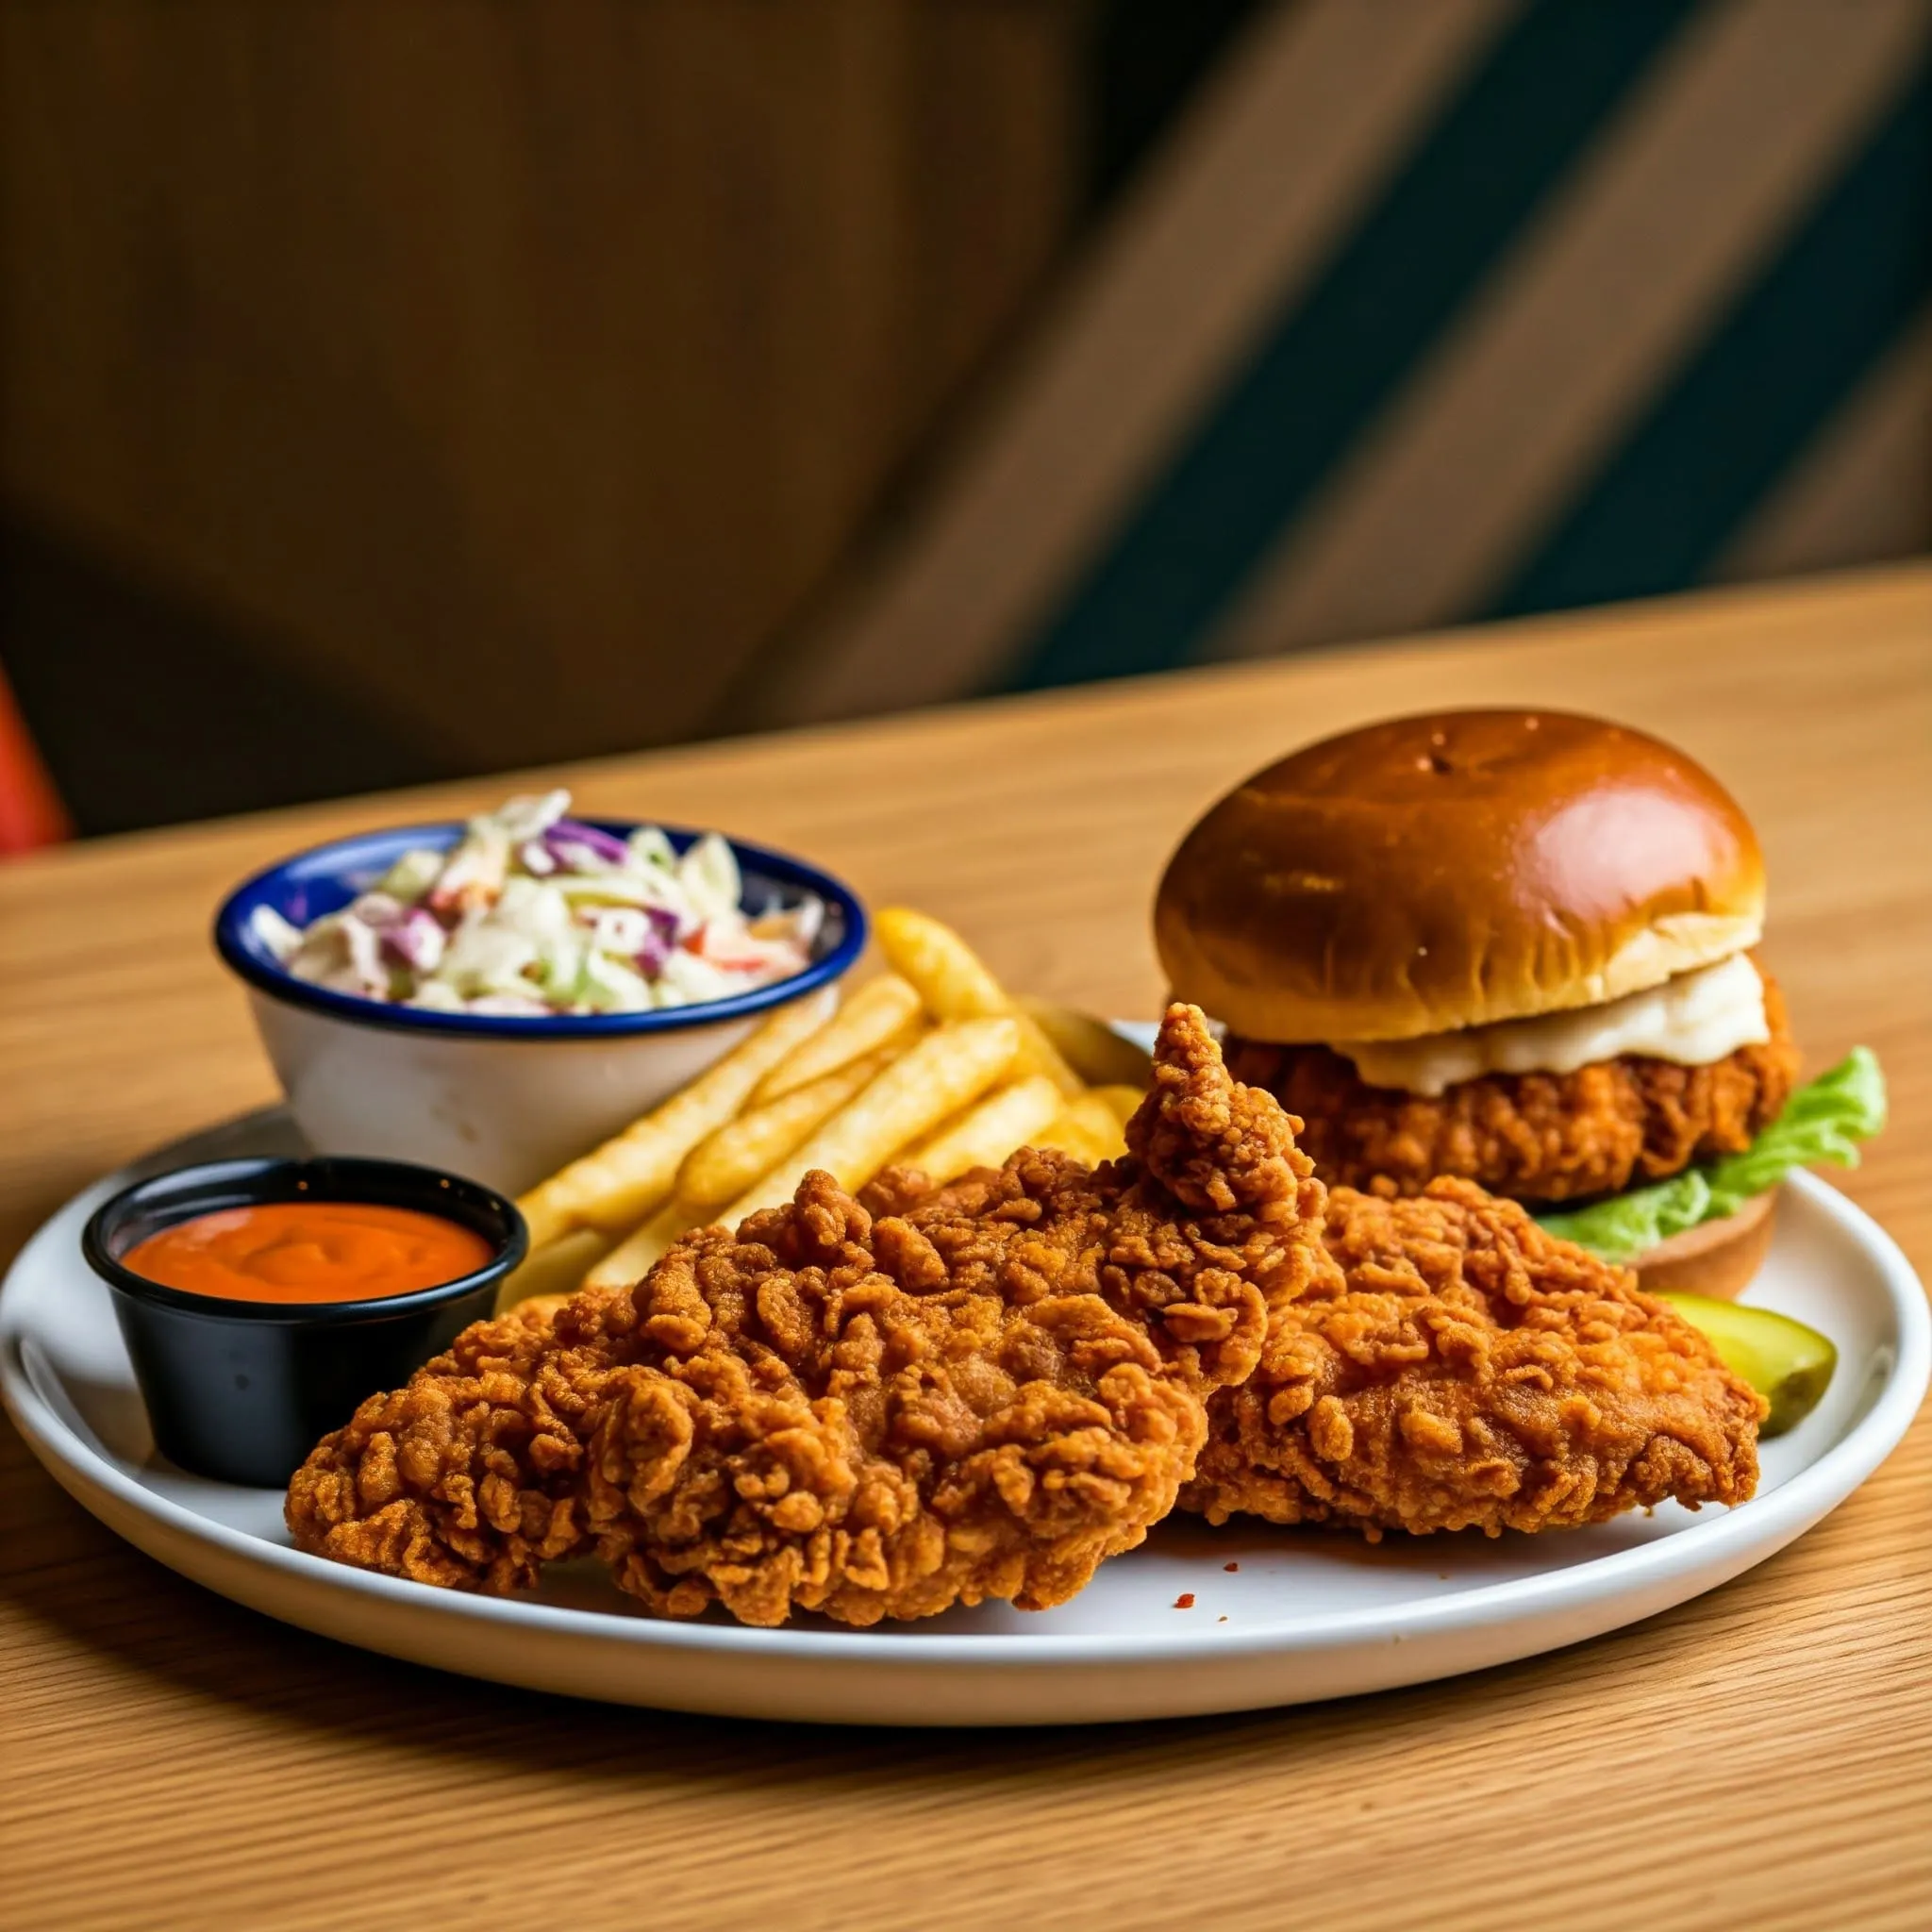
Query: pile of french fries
<point>931,1065</point>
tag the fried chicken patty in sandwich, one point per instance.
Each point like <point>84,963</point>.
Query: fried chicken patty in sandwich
<point>1514,947</point>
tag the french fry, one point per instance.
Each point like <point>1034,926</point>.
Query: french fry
<point>883,1012</point>
<point>1038,1055</point>
<point>985,1134</point>
<point>956,984</point>
<point>1067,1136</point>
<point>729,1160</point>
<point>978,1135</point>
<point>634,1258</point>
<point>1100,1115</point>
<point>947,1070</point>
<point>555,1269</point>
<point>1122,1102</point>
<point>1088,1129</point>
<point>1090,1046</point>
<point>615,1186</point>
<point>951,979</point>
<point>731,1157</point>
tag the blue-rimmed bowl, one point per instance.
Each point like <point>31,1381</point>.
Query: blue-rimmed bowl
<point>507,1099</point>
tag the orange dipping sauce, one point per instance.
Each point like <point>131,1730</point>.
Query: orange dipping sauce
<point>309,1251</point>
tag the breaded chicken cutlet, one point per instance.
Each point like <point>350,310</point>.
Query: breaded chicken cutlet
<point>1613,1124</point>
<point>1458,1368</point>
<point>871,1409</point>
<point>883,1406</point>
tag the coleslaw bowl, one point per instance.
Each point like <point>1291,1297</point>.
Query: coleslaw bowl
<point>505,1099</point>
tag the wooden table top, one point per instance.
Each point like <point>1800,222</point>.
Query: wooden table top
<point>1762,1754</point>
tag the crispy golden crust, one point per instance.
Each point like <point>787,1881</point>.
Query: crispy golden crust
<point>469,1477</point>
<point>1534,1137</point>
<point>1460,1369</point>
<point>870,1411</point>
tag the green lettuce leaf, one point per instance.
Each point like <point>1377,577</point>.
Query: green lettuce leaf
<point>1623,1226</point>
<point>1824,1121</point>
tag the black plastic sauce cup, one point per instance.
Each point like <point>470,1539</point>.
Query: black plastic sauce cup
<point>243,1391</point>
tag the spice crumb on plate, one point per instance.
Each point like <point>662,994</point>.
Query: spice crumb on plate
<point>1185,1601</point>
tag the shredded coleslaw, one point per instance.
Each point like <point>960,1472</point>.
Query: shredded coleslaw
<point>535,913</point>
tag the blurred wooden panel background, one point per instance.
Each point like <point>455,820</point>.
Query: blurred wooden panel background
<point>392,389</point>
<point>1432,310</point>
<point>439,348</point>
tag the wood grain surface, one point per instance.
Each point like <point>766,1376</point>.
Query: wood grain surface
<point>1762,1756</point>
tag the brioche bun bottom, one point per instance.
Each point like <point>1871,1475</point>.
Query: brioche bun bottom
<point>1717,1259</point>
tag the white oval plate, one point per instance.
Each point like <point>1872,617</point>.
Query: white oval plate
<point>1276,1617</point>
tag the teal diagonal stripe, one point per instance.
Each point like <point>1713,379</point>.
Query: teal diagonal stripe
<point>1854,275</point>
<point>1517,126</point>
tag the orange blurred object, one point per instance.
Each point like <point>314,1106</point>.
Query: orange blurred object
<point>30,809</point>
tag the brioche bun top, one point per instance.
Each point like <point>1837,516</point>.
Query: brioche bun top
<point>1431,872</point>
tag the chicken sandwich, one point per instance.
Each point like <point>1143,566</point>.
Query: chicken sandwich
<point>1515,947</point>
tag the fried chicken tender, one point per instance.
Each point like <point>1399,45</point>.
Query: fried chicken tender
<point>469,1477</point>
<point>869,1409</point>
<point>1535,1137</point>
<point>1458,1368</point>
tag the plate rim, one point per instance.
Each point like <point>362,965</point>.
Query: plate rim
<point>1743,1535</point>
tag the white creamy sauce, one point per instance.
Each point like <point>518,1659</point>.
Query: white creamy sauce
<point>1694,1019</point>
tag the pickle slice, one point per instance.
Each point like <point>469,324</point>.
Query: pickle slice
<point>1789,1365</point>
